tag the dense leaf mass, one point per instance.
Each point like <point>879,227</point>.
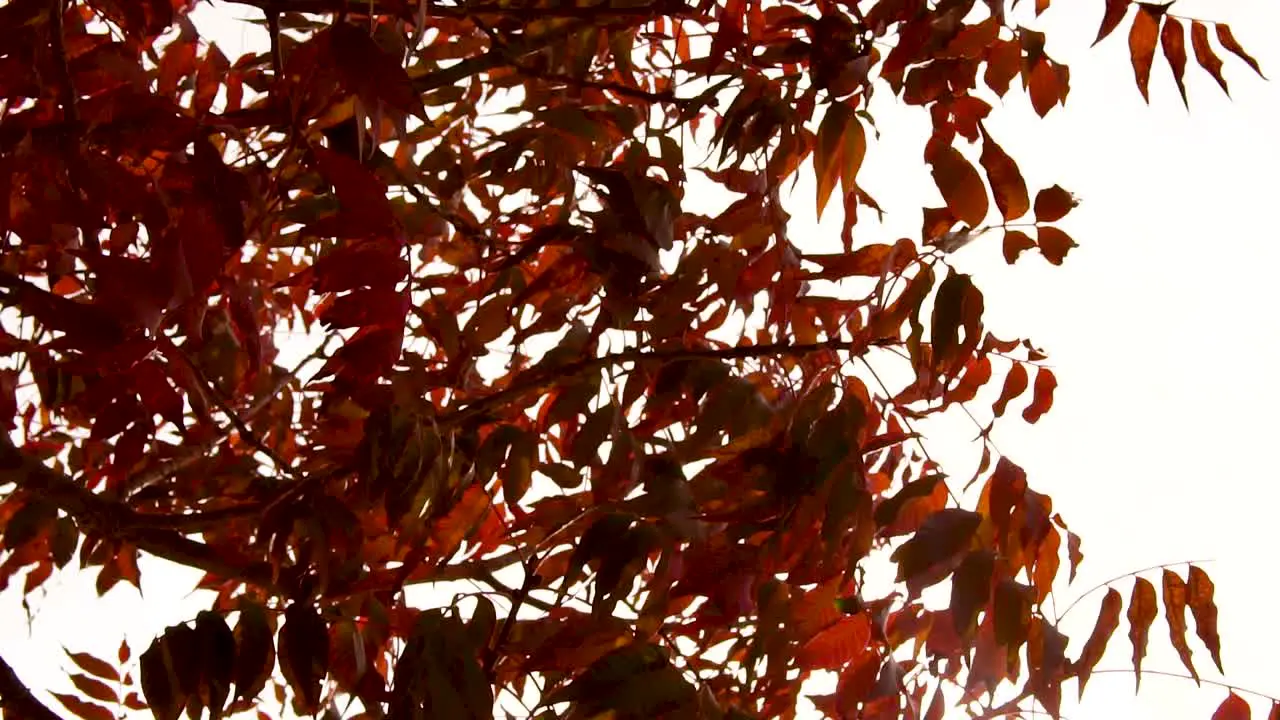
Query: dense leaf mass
<point>655,442</point>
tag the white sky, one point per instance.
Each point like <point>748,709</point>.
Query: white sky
<point>1159,328</point>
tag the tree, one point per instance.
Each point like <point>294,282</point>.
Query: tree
<point>657,441</point>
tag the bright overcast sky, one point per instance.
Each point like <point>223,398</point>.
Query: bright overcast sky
<point>1160,329</point>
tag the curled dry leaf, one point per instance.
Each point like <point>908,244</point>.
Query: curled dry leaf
<point>1103,629</point>
<point>1205,55</point>
<point>1175,611</point>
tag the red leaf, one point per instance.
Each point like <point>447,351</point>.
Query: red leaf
<point>1204,612</point>
<point>1053,204</point>
<point>1229,42</point>
<point>1175,51</point>
<point>834,646</point>
<point>371,73</point>
<point>83,708</point>
<point>1016,242</point>
<point>961,186</point>
<point>362,195</point>
<point>1142,44</point>
<point>1233,708</point>
<point>876,260</point>
<point>92,665</point>
<point>94,688</point>
<point>1111,18</point>
<point>1014,385</point>
<point>1142,612</point>
<point>1205,55</point>
<point>1175,612</point>
<point>1054,243</point>
<point>1007,185</point>
<point>839,152</point>
<point>1103,629</point>
<point>1046,86</point>
<point>1041,395</point>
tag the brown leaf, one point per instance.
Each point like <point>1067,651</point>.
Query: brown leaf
<point>874,260</point>
<point>1233,708</point>
<point>961,186</point>
<point>1054,243</point>
<point>83,708</point>
<point>1205,55</point>
<point>371,73</point>
<point>941,537</point>
<point>1046,87</point>
<point>1204,612</point>
<point>1103,629</point>
<point>1053,204</point>
<point>1229,42</point>
<point>94,688</point>
<point>1015,243</point>
<point>1041,395</point>
<point>1175,611</point>
<point>1175,51</point>
<point>304,655</point>
<point>1142,612</point>
<point>1014,385</point>
<point>1111,18</point>
<point>1142,44</point>
<point>1007,185</point>
<point>94,666</point>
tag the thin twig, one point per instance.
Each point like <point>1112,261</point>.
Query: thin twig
<point>1133,573</point>
<point>1184,676</point>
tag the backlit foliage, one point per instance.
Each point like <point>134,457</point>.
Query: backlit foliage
<point>657,442</point>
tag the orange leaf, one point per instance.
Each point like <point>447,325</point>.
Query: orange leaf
<point>1205,613</point>
<point>1015,243</point>
<point>874,260</point>
<point>1175,612</point>
<point>1045,86</point>
<point>1233,708</point>
<point>1205,55</point>
<point>961,186</point>
<point>1142,45</point>
<point>828,157</point>
<point>1103,629</point>
<point>1007,185</point>
<point>834,646</point>
<point>1275,710</point>
<point>1053,204</point>
<point>1014,385</point>
<point>1115,12</point>
<point>1054,243</point>
<point>1171,41</point>
<point>1229,42</point>
<point>1142,612</point>
<point>1041,395</point>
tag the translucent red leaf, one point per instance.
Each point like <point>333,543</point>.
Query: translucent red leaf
<point>1103,629</point>
<point>1205,55</point>
<point>1053,204</point>
<point>1015,383</point>
<point>371,73</point>
<point>1007,185</point>
<point>840,148</point>
<point>1041,395</point>
<point>1175,612</point>
<point>1142,613</point>
<point>1111,18</point>
<point>1233,708</point>
<point>874,260</point>
<point>362,195</point>
<point>836,645</point>
<point>1230,43</point>
<point>1204,612</point>
<point>1275,710</point>
<point>1173,44</point>
<point>1142,45</point>
<point>1046,87</point>
<point>1015,243</point>
<point>961,186</point>
<point>1054,244</point>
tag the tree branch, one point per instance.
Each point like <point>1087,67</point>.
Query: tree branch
<point>117,521</point>
<point>18,701</point>
<point>538,379</point>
